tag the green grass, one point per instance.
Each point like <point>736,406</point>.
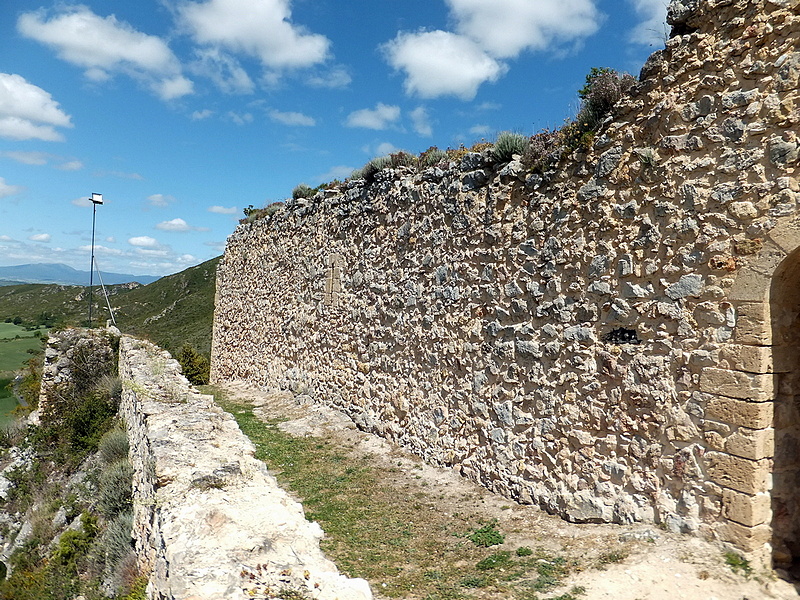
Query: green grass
<point>397,540</point>
<point>738,563</point>
<point>14,353</point>
<point>9,331</point>
<point>7,402</point>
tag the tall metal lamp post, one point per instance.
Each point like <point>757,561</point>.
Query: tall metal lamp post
<point>96,199</point>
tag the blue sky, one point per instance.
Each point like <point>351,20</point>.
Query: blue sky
<point>181,113</point>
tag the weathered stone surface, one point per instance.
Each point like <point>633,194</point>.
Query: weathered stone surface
<point>752,359</point>
<point>687,285</point>
<point>740,474</point>
<point>745,509</point>
<point>754,415</point>
<point>737,384</point>
<point>749,539</point>
<point>204,540</point>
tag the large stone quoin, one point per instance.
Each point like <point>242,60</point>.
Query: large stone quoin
<point>615,340</point>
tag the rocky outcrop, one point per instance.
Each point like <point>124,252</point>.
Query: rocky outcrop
<point>209,520</point>
<point>596,338</point>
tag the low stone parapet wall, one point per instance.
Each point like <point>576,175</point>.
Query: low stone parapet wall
<point>209,520</point>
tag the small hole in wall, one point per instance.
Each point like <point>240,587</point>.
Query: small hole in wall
<point>681,29</point>
<point>622,336</point>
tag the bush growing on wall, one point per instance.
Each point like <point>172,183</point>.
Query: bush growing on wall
<point>507,145</point>
<point>302,191</point>
<point>604,87</point>
<point>431,157</point>
<point>542,150</point>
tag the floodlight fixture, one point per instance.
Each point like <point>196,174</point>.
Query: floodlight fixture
<point>96,198</point>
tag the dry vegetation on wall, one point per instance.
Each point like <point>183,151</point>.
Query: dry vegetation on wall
<point>539,152</point>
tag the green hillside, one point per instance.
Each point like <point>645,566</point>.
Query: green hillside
<point>174,310</point>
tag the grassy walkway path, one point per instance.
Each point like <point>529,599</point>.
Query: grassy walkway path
<point>423,533</point>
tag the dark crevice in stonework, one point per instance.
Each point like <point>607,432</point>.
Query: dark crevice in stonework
<point>681,29</point>
<point>622,336</point>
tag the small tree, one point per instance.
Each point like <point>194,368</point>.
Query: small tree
<point>194,365</point>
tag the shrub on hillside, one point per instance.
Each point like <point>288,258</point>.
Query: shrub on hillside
<point>543,148</point>
<point>115,543</point>
<point>402,159</point>
<point>374,166</point>
<point>431,157</point>
<point>115,489</point>
<point>114,446</point>
<point>603,89</point>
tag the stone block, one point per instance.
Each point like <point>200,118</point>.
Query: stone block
<point>740,474</point>
<point>747,539</point>
<point>754,415</point>
<point>746,509</point>
<point>754,444</point>
<point>753,325</point>
<point>755,387</point>
<point>749,286</point>
<point>753,359</point>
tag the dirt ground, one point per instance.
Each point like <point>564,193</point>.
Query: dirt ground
<point>657,565</point>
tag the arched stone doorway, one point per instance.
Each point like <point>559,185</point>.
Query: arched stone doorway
<point>785,321</point>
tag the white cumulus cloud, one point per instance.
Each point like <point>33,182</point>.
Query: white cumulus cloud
<point>456,63</point>
<point>27,112</point>
<point>380,117</point>
<point>160,200</point>
<point>71,165</point>
<point>100,249</point>
<point>178,224</point>
<point>201,115</point>
<point>83,201</point>
<point>222,210</point>
<point>421,121</point>
<point>224,70</point>
<point>104,46</point>
<point>7,189</point>
<point>291,118</point>
<point>504,28</point>
<point>143,241</point>
<point>334,78</point>
<point>652,30</point>
<point>28,158</point>
<point>257,28</point>
<point>441,63</point>
<point>39,237</point>
<point>240,118</point>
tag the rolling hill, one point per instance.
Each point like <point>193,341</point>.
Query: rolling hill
<point>171,311</point>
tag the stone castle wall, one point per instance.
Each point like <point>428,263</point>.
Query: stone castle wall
<point>611,339</point>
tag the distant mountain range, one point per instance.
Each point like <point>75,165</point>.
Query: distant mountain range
<point>64,275</point>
